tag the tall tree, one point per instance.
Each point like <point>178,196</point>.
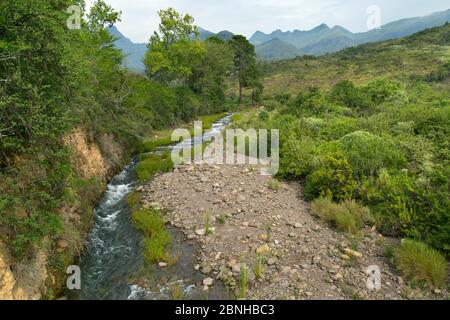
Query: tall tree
<point>209,78</point>
<point>171,53</point>
<point>244,62</point>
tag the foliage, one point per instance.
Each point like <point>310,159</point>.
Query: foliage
<point>245,66</point>
<point>368,153</point>
<point>153,164</point>
<point>258,266</point>
<point>243,281</point>
<point>171,52</point>
<point>333,178</point>
<point>156,236</point>
<point>274,185</point>
<point>347,216</point>
<point>420,263</point>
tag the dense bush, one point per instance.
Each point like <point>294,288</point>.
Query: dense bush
<point>368,153</point>
<point>332,179</point>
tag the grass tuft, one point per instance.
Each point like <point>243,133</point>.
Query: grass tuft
<point>152,164</point>
<point>258,267</point>
<point>156,236</point>
<point>243,281</point>
<point>420,263</point>
<point>347,216</point>
<point>274,185</point>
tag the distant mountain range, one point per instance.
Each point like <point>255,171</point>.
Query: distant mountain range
<point>286,45</point>
<point>323,39</point>
<point>205,34</point>
<point>134,52</point>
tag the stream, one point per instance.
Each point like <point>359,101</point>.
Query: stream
<point>112,265</point>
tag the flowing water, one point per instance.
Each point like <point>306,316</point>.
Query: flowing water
<point>113,263</point>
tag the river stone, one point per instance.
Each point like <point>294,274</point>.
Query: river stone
<point>236,268</point>
<point>352,253</point>
<point>263,249</point>
<point>208,281</point>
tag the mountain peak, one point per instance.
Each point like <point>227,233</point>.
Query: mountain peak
<point>323,26</point>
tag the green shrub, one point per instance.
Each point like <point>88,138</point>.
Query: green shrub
<point>332,179</point>
<point>264,115</point>
<point>418,208</point>
<point>350,96</point>
<point>308,103</point>
<point>296,157</point>
<point>347,216</point>
<point>156,236</point>
<point>420,263</point>
<point>381,89</point>
<point>368,153</point>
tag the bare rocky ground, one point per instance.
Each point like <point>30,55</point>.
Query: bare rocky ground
<point>303,257</point>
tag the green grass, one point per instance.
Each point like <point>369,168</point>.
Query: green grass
<point>177,291</point>
<point>420,264</point>
<point>208,227</point>
<point>274,185</point>
<point>243,281</point>
<point>156,236</point>
<point>152,164</point>
<point>152,145</point>
<point>133,200</point>
<point>347,216</point>
<point>258,267</point>
<point>222,219</point>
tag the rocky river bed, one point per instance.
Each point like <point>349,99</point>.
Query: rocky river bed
<point>287,252</point>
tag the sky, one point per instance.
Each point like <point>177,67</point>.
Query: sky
<point>140,17</point>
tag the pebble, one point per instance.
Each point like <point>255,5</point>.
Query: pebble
<point>208,281</point>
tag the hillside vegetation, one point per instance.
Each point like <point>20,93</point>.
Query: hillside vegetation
<point>421,55</point>
<point>369,124</point>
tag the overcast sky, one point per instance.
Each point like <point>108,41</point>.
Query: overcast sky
<point>140,18</point>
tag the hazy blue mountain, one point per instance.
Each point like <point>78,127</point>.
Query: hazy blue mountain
<point>225,35</point>
<point>403,28</point>
<point>276,49</point>
<point>134,52</point>
<point>205,34</point>
<point>328,45</point>
<point>324,39</point>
